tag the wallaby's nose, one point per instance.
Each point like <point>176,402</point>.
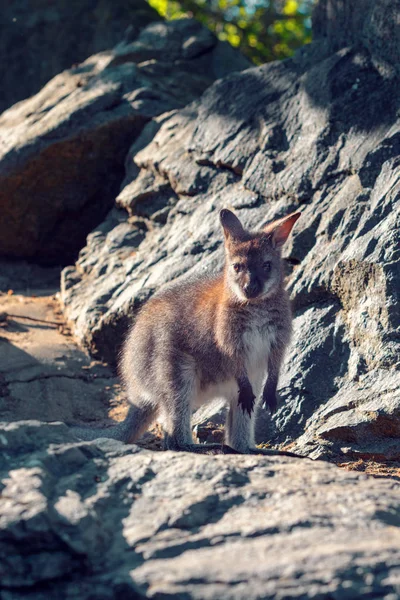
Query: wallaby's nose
<point>252,288</point>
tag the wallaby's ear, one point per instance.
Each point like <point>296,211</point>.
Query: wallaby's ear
<point>279,230</point>
<point>231,224</point>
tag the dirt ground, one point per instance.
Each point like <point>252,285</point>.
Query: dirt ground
<point>45,375</point>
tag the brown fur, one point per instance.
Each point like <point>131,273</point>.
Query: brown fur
<point>210,337</point>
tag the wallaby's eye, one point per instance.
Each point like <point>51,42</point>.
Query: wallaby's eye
<point>267,266</point>
<point>237,267</point>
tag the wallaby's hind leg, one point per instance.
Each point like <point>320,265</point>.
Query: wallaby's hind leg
<point>140,416</point>
<point>178,415</point>
<point>177,426</point>
<point>178,396</point>
<point>178,436</point>
<point>239,428</point>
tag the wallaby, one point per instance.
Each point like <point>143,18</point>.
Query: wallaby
<point>221,336</point>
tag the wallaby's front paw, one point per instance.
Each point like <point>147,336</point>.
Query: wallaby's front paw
<point>271,401</point>
<point>246,399</point>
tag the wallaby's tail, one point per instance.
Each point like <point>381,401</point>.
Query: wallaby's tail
<point>135,424</point>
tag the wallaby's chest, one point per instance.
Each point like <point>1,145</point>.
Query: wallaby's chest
<point>256,340</point>
<point>258,337</point>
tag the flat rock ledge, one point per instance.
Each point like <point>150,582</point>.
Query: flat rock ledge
<point>102,520</point>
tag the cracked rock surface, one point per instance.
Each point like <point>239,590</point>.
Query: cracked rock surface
<point>76,523</point>
<point>319,133</point>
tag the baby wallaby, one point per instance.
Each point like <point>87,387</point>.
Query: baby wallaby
<point>212,337</point>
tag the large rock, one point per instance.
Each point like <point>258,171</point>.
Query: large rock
<point>62,151</point>
<point>80,521</point>
<point>318,133</point>
<point>40,39</point>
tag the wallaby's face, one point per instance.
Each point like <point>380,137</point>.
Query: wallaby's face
<point>254,267</point>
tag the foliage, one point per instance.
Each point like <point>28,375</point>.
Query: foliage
<point>263,29</point>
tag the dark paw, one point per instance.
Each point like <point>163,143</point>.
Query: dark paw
<point>271,401</point>
<point>246,399</point>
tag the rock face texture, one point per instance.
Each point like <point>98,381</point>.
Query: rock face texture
<point>109,521</point>
<point>40,39</point>
<point>373,24</point>
<point>62,151</point>
<point>318,133</point>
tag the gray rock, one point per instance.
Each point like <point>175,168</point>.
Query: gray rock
<point>318,133</point>
<point>85,520</point>
<point>39,40</point>
<point>62,151</point>
<point>371,23</point>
